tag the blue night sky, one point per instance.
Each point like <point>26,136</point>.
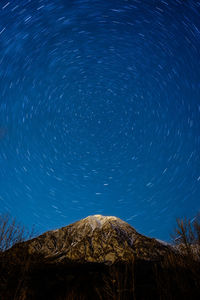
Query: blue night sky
<point>100,111</point>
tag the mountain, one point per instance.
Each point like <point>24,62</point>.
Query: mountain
<point>97,238</point>
<point>99,257</point>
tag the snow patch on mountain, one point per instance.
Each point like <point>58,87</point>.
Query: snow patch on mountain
<point>163,242</point>
<point>97,221</point>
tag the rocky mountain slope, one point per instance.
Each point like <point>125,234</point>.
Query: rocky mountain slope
<point>96,258</point>
<point>102,239</point>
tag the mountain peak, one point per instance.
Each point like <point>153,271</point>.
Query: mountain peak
<point>97,221</point>
<point>101,217</point>
<point>96,238</point>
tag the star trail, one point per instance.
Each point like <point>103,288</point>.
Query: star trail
<point>100,111</point>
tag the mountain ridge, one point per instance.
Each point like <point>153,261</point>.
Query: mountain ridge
<point>97,238</point>
<point>99,257</point>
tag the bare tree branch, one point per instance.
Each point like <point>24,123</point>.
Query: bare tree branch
<point>12,232</point>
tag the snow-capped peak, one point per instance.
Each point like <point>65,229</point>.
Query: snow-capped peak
<point>97,238</point>
<point>97,221</point>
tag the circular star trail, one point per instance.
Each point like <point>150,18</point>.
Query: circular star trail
<point>100,111</point>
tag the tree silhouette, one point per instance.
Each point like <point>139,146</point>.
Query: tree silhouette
<point>187,236</point>
<point>12,232</point>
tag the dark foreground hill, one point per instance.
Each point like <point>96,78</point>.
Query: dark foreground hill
<point>96,258</point>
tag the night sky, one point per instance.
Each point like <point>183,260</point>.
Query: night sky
<point>100,111</point>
